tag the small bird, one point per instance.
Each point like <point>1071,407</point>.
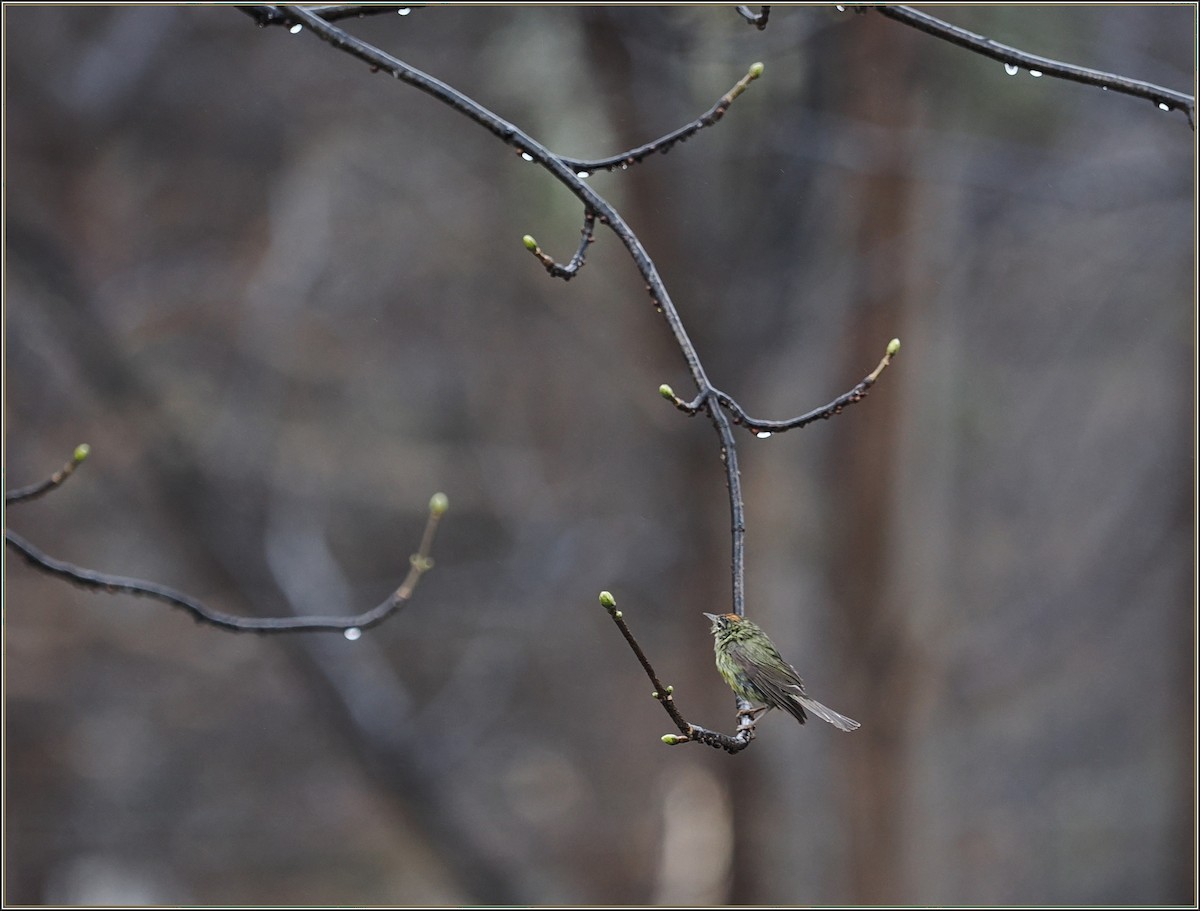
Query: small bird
<point>754,669</point>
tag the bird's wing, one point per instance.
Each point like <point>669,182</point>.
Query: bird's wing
<point>778,684</point>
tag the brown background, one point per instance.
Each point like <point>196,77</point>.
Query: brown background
<point>285,301</point>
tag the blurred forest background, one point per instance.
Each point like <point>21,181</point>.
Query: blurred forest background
<point>285,300</point>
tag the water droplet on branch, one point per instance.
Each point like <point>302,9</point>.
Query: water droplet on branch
<point>353,633</point>
<point>527,156</point>
<point>1012,69</point>
<point>296,29</point>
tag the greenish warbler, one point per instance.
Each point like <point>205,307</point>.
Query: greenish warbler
<point>754,669</point>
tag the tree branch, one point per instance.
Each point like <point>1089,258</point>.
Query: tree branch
<point>585,166</point>
<point>665,695</point>
<point>764,429</point>
<point>270,15</point>
<point>567,172</point>
<point>567,272</point>
<point>33,491</point>
<point>1167,99</point>
<point>605,214</point>
<point>758,20</point>
<point>420,563</point>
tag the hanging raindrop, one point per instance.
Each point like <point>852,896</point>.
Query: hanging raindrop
<point>1012,69</point>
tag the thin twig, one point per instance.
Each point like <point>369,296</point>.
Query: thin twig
<point>665,696</point>
<point>567,272</point>
<point>767,428</point>
<point>758,20</point>
<point>857,394</point>
<point>584,167</point>
<point>270,15</point>
<point>33,491</point>
<point>419,564</point>
<point>1167,99</point>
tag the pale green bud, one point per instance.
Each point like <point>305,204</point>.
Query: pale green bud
<point>893,347</point>
<point>82,451</point>
<point>439,503</point>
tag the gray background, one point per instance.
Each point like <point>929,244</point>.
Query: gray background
<point>286,300</point>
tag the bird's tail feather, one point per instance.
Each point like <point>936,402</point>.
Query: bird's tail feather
<point>838,720</point>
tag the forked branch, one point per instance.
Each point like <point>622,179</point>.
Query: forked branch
<point>665,696</point>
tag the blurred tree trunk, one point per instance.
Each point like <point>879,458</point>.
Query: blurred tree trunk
<point>878,57</point>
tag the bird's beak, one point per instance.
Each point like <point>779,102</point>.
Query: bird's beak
<point>712,617</point>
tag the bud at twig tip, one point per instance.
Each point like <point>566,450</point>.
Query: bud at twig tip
<point>666,392</point>
<point>439,503</point>
<point>756,70</point>
<point>529,242</point>
<point>81,452</point>
<point>607,599</point>
<point>893,347</point>
<point>655,695</point>
<point>671,739</point>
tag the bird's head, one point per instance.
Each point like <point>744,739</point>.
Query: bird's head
<point>721,622</point>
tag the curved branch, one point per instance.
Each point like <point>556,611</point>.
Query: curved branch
<point>767,428</point>
<point>665,696</point>
<point>380,61</point>
<point>567,272</point>
<point>420,563</point>
<point>33,491</point>
<point>1167,99</point>
<point>584,167</point>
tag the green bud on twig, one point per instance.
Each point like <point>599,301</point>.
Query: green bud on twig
<point>756,70</point>
<point>666,392</point>
<point>655,695</point>
<point>893,347</point>
<point>529,242</point>
<point>81,452</point>
<point>607,599</point>
<point>439,503</point>
<point>672,739</point>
